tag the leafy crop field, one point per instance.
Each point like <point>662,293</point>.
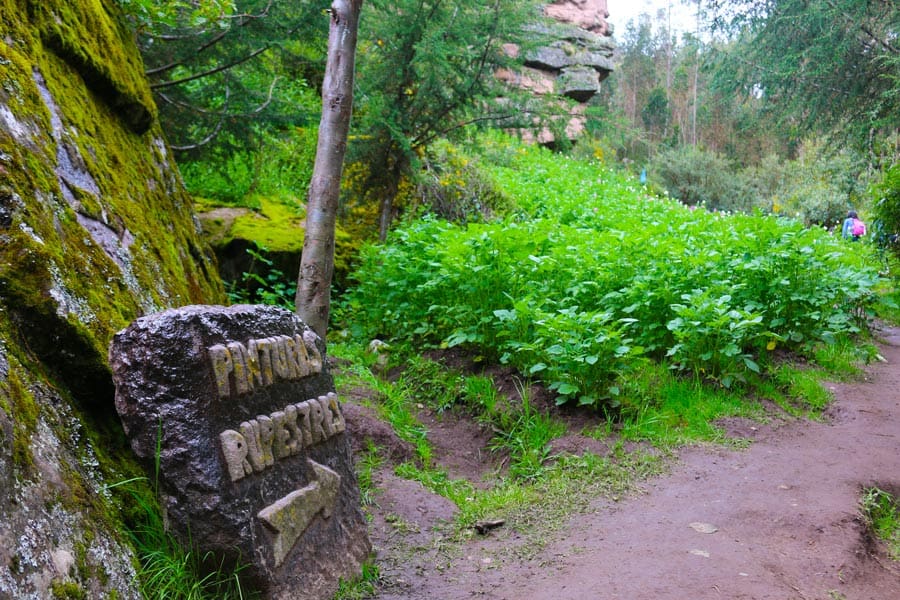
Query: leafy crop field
<point>588,278</point>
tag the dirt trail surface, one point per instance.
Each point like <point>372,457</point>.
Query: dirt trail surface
<point>777,520</point>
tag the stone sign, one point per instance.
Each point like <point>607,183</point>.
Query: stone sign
<point>254,460</point>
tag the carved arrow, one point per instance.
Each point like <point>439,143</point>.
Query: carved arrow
<point>289,517</point>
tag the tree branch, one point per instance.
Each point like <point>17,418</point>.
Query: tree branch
<point>219,69</point>
<point>245,18</point>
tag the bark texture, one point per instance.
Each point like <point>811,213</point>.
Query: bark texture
<point>313,298</point>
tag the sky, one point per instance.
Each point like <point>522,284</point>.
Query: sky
<point>622,11</point>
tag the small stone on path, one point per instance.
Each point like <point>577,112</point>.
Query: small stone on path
<point>704,528</point>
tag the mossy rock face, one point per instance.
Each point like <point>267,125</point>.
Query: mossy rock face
<point>95,231</point>
<point>275,227</point>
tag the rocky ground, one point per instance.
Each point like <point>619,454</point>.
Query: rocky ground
<point>777,519</point>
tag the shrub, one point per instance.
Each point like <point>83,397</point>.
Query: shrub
<point>589,276</point>
<point>886,204</point>
<point>697,177</point>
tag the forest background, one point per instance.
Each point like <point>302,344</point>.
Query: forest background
<point>785,107</point>
<point>658,268</point>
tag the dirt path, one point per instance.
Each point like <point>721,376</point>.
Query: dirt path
<point>778,520</point>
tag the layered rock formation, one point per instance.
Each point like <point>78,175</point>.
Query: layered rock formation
<point>589,15</point>
<point>95,230</point>
<point>573,64</point>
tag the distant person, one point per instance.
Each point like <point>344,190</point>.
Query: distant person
<point>643,176</point>
<point>853,227</point>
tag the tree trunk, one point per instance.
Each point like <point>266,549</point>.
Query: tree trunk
<point>313,298</point>
<point>394,166</point>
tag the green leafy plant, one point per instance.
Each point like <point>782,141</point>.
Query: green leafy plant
<point>263,284</point>
<point>364,586</point>
<point>881,513</point>
<point>588,277</point>
<point>712,338</point>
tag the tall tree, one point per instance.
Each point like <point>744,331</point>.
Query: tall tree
<point>829,65</point>
<point>427,70</point>
<point>313,300</point>
<point>224,71</point>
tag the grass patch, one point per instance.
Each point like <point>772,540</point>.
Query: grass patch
<point>392,402</point>
<point>169,570</point>
<point>367,463</point>
<point>364,586</point>
<point>668,410</point>
<point>881,514</point>
<point>800,391</point>
<point>566,486</point>
<point>842,358</point>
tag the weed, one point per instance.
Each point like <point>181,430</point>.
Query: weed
<point>526,434</point>
<point>365,586</point>
<point>428,383</point>
<point>667,410</point>
<point>168,570</point>
<point>588,279</point>
<point>367,463</point>
<point>881,514</point>
<point>481,396</point>
<point>803,389</point>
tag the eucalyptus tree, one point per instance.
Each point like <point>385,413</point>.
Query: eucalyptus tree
<point>825,65</point>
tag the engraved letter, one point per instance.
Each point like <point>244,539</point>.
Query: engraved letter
<point>316,417</point>
<point>290,358</point>
<point>337,416</point>
<point>315,359</point>
<point>326,416</point>
<point>266,437</point>
<point>280,358</point>
<point>290,421</point>
<point>235,451</point>
<point>250,432</point>
<point>303,417</point>
<point>264,348</point>
<point>222,367</point>
<point>242,382</point>
<point>254,369</point>
<point>301,356</point>
<point>281,444</point>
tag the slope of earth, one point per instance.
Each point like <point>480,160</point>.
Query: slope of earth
<point>779,519</point>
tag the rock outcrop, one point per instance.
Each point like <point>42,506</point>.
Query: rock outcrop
<point>95,230</point>
<point>589,15</point>
<point>573,64</point>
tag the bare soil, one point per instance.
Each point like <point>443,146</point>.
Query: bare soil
<point>776,520</point>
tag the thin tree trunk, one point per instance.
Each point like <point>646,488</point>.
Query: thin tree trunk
<point>313,298</point>
<point>394,167</point>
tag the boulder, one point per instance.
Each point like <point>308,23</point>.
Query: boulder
<point>236,409</point>
<point>95,231</point>
<point>589,15</point>
<point>572,47</point>
<point>578,83</point>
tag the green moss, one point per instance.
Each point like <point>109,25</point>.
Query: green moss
<point>277,227</point>
<point>106,59</point>
<point>26,411</point>
<point>62,292</point>
<point>67,590</point>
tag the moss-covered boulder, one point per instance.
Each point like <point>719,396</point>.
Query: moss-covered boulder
<point>95,230</point>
